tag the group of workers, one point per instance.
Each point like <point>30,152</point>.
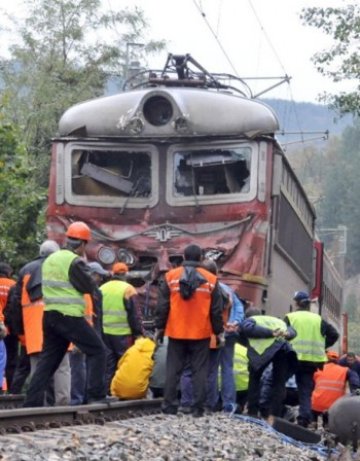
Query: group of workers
<point>75,320</point>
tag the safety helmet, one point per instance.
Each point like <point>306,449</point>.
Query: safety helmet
<point>301,296</point>
<point>79,230</point>
<point>120,268</point>
<point>332,355</point>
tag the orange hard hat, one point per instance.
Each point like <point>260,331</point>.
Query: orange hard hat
<point>79,230</point>
<point>332,355</point>
<point>120,268</point>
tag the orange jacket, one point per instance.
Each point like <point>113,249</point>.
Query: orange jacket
<point>189,319</point>
<point>32,312</point>
<point>5,285</point>
<point>330,384</point>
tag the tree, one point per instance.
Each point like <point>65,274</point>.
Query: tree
<point>342,60</point>
<point>21,199</point>
<point>67,50</point>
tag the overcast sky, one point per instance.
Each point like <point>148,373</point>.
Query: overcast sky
<point>260,38</point>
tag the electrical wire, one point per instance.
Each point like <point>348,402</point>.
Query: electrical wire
<point>281,65</point>
<point>201,11</point>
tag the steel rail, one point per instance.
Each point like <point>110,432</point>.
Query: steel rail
<point>19,420</point>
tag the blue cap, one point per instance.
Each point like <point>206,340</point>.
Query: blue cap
<point>97,268</point>
<point>301,296</point>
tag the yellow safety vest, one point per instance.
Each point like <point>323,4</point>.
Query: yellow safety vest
<point>309,343</point>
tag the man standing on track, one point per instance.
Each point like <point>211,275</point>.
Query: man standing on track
<point>65,280</point>
<point>314,335</point>
<point>189,310</point>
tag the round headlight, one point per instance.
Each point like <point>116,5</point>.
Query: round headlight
<point>125,256</point>
<point>106,255</point>
<point>158,110</point>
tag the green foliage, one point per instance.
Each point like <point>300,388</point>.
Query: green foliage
<point>342,60</point>
<point>21,200</point>
<point>65,52</point>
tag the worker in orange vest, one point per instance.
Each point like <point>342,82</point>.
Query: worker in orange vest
<point>189,311</point>
<point>6,282</point>
<point>330,385</point>
<point>28,294</point>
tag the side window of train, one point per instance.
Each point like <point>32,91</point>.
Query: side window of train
<point>111,173</point>
<point>212,171</point>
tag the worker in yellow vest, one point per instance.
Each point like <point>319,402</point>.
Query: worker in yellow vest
<point>267,343</point>
<point>241,376</point>
<point>314,335</point>
<point>65,280</point>
<point>121,320</point>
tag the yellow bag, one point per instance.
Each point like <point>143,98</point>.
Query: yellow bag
<point>131,379</point>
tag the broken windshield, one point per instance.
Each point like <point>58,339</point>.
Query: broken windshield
<point>111,173</point>
<point>212,171</point>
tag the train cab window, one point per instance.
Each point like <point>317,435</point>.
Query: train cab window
<point>111,173</point>
<point>212,171</point>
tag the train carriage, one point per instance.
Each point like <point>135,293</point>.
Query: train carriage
<point>184,157</point>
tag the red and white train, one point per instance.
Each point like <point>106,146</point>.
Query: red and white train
<point>185,157</point>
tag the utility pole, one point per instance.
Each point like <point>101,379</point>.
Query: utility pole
<point>336,239</point>
<point>129,47</point>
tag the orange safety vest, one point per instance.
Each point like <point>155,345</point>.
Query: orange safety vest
<point>330,385</point>
<point>32,312</point>
<point>5,285</point>
<point>189,319</point>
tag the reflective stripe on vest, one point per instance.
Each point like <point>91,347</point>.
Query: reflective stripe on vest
<point>309,344</point>
<point>261,344</point>
<point>330,385</point>
<point>59,294</point>
<point>114,313</point>
<point>241,372</point>
<point>189,319</point>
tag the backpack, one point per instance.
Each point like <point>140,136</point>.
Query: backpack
<point>13,313</point>
<point>131,379</point>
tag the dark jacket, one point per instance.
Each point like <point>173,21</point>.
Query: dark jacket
<point>250,329</point>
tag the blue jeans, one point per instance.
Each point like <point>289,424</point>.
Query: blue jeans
<point>78,377</point>
<point>228,391</point>
<point>186,387</point>
<point>2,362</point>
<point>223,358</point>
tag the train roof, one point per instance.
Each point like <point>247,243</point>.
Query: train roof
<point>169,112</point>
<point>194,103</point>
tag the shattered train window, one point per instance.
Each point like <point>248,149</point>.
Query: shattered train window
<point>212,171</point>
<point>108,172</point>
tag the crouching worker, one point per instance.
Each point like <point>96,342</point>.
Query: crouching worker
<point>330,385</point>
<point>131,380</point>
<point>267,343</point>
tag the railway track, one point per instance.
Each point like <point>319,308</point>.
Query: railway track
<point>8,401</point>
<point>17,420</point>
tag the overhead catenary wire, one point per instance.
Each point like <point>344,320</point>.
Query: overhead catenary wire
<point>280,63</point>
<point>201,11</point>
